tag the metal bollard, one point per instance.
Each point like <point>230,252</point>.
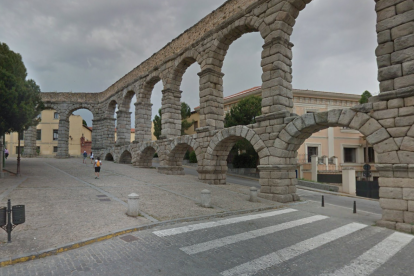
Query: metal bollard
<point>205,198</point>
<point>133,205</point>
<point>253,194</point>
<point>355,207</point>
<point>323,201</point>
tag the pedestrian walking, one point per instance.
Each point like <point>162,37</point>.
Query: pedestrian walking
<point>85,154</point>
<point>91,157</point>
<point>97,166</point>
<point>6,152</point>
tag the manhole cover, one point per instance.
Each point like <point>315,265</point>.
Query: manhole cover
<point>101,196</point>
<point>128,238</point>
<point>104,199</point>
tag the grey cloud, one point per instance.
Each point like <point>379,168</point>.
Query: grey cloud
<point>88,45</point>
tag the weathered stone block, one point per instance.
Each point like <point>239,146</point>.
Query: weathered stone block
<point>406,157</point>
<point>359,120</point>
<point>378,136</point>
<point>403,227</point>
<point>398,57</point>
<point>398,131</point>
<point>404,121</point>
<point>387,122</point>
<point>370,127</point>
<point>395,103</point>
<point>404,42</point>
<point>395,193</point>
<point>408,144</point>
<point>402,30</point>
<point>346,117</point>
<point>380,105</point>
<point>386,224</point>
<point>411,205</point>
<point>390,72</point>
<point>283,198</point>
<point>408,193</point>
<point>404,81</point>
<point>385,114</point>
<point>384,61</point>
<point>394,204</point>
<point>393,215</point>
<point>386,146</point>
<point>405,6</point>
<point>388,158</point>
<point>408,217</point>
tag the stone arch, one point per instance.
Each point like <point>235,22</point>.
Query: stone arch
<point>172,159</point>
<point>181,64</point>
<point>125,157</point>
<point>214,166</point>
<point>109,157</point>
<point>145,154</point>
<point>111,107</point>
<point>127,96</point>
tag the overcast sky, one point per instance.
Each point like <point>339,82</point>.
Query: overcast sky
<point>87,45</point>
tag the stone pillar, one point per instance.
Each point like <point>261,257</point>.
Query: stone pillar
<point>30,142</point>
<point>326,161</point>
<point>278,183</point>
<point>98,135</point>
<point>348,181</point>
<point>397,196</point>
<point>171,113</point>
<point>395,26</point>
<point>335,161</point>
<point>107,128</point>
<point>143,122</point>
<point>277,96</point>
<point>123,127</point>
<point>314,169</point>
<point>63,139</point>
<point>211,99</point>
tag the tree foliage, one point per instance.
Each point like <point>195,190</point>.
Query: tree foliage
<point>365,96</point>
<point>244,112</point>
<point>20,101</point>
<point>84,123</point>
<point>157,124</point>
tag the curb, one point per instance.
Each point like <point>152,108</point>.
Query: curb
<point>78,244</point>
<point>333,193</point>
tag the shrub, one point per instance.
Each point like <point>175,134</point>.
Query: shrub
<point>156,155</point>
<point>187,155</point>
<point>244,160</point>
<point>193,157</point>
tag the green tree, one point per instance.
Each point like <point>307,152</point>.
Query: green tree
<point>84,123</point>
<point>244,112</point>
<point>365,96</point>
<point>185,114</point>
<point>20,101</point>
<point>157,124</point>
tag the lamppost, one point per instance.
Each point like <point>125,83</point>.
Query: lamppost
<point>6,222</point>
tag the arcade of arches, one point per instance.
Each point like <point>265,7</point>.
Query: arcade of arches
<point>386,121</point>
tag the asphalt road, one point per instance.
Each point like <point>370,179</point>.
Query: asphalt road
<point>366,205</point>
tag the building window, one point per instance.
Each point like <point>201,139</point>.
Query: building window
<point>195,125</point>
<point>56,115</point>
<point>39,134</point>
<point>55,149</point>
<point>312,151</point>
<point>350,155</point>
<point>371,155</point>
<point>22,136</point>
<point>55,135</point>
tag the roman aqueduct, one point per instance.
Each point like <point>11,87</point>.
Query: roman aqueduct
<point>387,120</point>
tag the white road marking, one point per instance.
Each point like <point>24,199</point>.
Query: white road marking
<point>253,267</point>
<point>200,226</point>
<point>201,247</point>
<point>368,262</point>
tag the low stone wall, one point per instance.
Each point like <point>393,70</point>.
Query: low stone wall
<point>318,186</point>
<point>251,172</point>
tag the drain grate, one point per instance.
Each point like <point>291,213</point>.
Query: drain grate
<point>129,238</point>
<point>104,199</point>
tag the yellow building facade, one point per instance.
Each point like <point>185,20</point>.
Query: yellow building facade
<point>47,135</point>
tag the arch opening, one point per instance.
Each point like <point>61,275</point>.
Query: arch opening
<point>126,158</point>
<point>109,157</point>
<point>144,159</point>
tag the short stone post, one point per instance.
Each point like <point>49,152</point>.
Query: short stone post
<point>314,160</point>
<point>133,205</point>
<point>253,194</point>
<point>348,181</point>
<point>335,161</point>
<point>326,163</point>
<point>300,171</point>
<point>205,198</point>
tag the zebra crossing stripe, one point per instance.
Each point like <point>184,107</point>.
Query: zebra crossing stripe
<point>201,247</point>
<point>253,267</point>
<point>200,226</point>
<point>368,262</point>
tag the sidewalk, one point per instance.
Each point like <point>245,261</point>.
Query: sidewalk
<point>66,204</point>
